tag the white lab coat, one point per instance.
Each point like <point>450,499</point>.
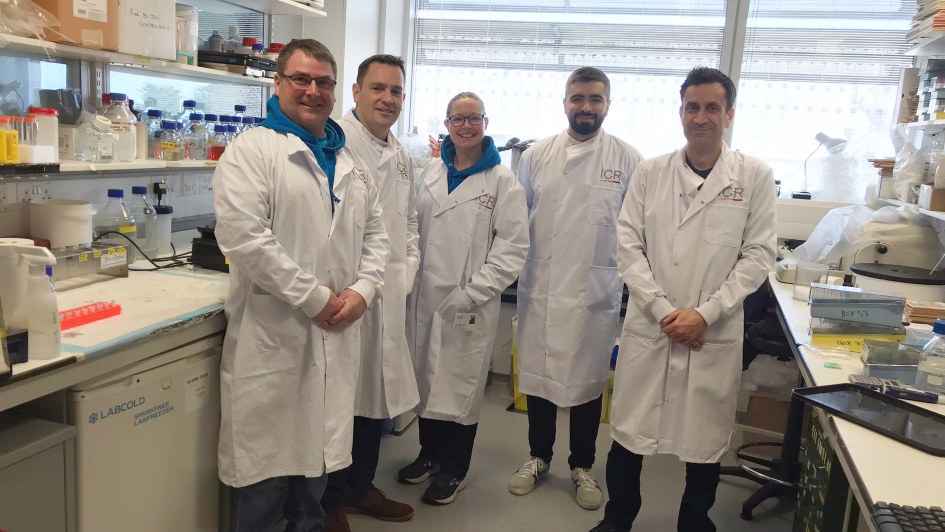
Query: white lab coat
<point>387,386</point>
<point>682,249</point>
<point>473,244</point>
<point>287,386</point>
<point>569,291</point>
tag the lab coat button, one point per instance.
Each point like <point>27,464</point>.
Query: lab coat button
<point>556,234</point>
<point>675,264</point>
<point>674,300</point>
<point>426,269</point>
<point>672,367</point>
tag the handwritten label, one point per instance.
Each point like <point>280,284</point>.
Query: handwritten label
<point>113,260</point>
<point>855,314</point>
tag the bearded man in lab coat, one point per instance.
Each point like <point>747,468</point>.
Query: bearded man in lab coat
<point>696,235</point>
<point>387,386</point>
<point>569,291</point>
<point>299,220</point>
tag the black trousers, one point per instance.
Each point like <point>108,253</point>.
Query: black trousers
<point>447,443</point>
<point>348,486</point>
<point>585,422</point>
<point>623,485</point>
<point>259,507</point>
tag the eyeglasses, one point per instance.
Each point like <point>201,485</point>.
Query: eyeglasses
<point>458,121</point>
<point>304,82</point>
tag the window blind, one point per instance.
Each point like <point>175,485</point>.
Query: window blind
<point>827,65</point>
<point>517,55</point>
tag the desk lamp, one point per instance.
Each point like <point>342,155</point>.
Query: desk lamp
<point>822,140</point>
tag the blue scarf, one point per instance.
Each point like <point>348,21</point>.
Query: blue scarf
<point>490,157</point>
<point>324,148</point>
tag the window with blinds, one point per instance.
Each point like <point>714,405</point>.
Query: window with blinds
<point>821,65</point>
<point>517,55</point>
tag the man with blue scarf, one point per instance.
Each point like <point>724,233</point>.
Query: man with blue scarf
<point>299,220</point>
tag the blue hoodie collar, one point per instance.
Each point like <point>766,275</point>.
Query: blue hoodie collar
<point>325,152</point>
<point>490,157</point>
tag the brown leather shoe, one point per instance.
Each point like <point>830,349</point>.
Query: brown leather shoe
<point>337,523</point>
<point>375,504</point>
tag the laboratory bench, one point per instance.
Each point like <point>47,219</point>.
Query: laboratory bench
<point>878,469</point>
<point>137,383</point>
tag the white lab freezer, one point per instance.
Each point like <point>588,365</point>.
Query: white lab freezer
<point>146,447</point>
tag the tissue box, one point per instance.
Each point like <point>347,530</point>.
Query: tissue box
<point>147,28</point>
<point>88,23</point>
<point>931,198</point>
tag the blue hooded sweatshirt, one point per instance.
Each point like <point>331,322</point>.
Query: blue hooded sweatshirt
<point>324,148</point>
<point>490,157</point>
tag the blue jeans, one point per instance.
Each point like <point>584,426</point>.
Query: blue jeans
<point>260,507</point>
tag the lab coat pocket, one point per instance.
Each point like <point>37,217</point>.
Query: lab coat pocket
<point>358,196</point>
<point>604,205</point>
<point>603,291</point>
<point>277,325</point>
<point>476,226</point>
<point>402,187</point>
<point>724,225</point>
<point>714,375</point>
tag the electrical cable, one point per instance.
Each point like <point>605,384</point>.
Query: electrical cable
<point>175,258</point>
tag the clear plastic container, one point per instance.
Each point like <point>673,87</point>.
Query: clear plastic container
<point>106,101</point>
<point>172,146</point>
<point>190,107</point>
<point>154,126</point>
<point>196,138</point>
<point>123,123</point>
<point>931,374</point>
<point>165,215</point>
<point>115,217</point>
<point>233,40</point>
<point>218,143</point>
<point>146,231</point>
<point>101,143</point>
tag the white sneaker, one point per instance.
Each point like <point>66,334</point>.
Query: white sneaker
<point>586,489</point>
<point>524,480</point>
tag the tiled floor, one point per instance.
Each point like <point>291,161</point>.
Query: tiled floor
<point>501,447</point>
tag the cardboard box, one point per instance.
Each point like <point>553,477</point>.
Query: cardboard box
<point>88,23</point>
<point>931,198</point>
<point>147,28</point>
<point>767,412</point>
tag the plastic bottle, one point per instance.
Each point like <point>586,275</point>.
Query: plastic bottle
<point>171,145</point>
<point>247,45</point>
<point>12,138</point>
<point>233,41</point>
<point>42,312</point>
<point>123,123</point>
<point>141,140</point>
<point>190,107</point>
<point>196,139</point>
<point>931,374</point>
<point>115,217</point>
<point>272,53</point>
<point>101,143</point>
<point>106,101</point>
<point>215,42</point>
<point>218,143</point>
<point>154,126</point>
<point>146,222</point>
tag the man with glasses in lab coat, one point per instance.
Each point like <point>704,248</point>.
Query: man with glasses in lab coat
<point>569,292</point>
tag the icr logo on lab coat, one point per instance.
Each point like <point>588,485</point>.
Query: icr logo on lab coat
<point>486,201</point>
<point>611,176</point>
<point>732,194</point>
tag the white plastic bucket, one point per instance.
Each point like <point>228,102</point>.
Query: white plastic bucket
<point>63,222</point>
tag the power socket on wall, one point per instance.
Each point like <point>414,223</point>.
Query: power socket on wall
<point>8,194</point>
<point>33,191</point>
<point>189,185</point>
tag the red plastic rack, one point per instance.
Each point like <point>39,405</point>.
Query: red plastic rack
<point>87,314</point>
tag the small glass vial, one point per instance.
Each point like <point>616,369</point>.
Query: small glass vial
<point>171,145</point>
<point>101,144</point>
<point>218,143</point>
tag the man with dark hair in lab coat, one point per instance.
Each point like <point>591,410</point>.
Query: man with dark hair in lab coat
<point>696,235</point>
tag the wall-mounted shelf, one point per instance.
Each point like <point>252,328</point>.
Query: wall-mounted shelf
<point>65,51</point>
<point>191,164</point>
<point>279,7</point>
<point>926,124</point>
<point>82,166</point>
<point>930,214</point>
<point>932,43</point>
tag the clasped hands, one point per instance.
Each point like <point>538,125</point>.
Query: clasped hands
<point>345,308</point>
<point>685,327</point>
